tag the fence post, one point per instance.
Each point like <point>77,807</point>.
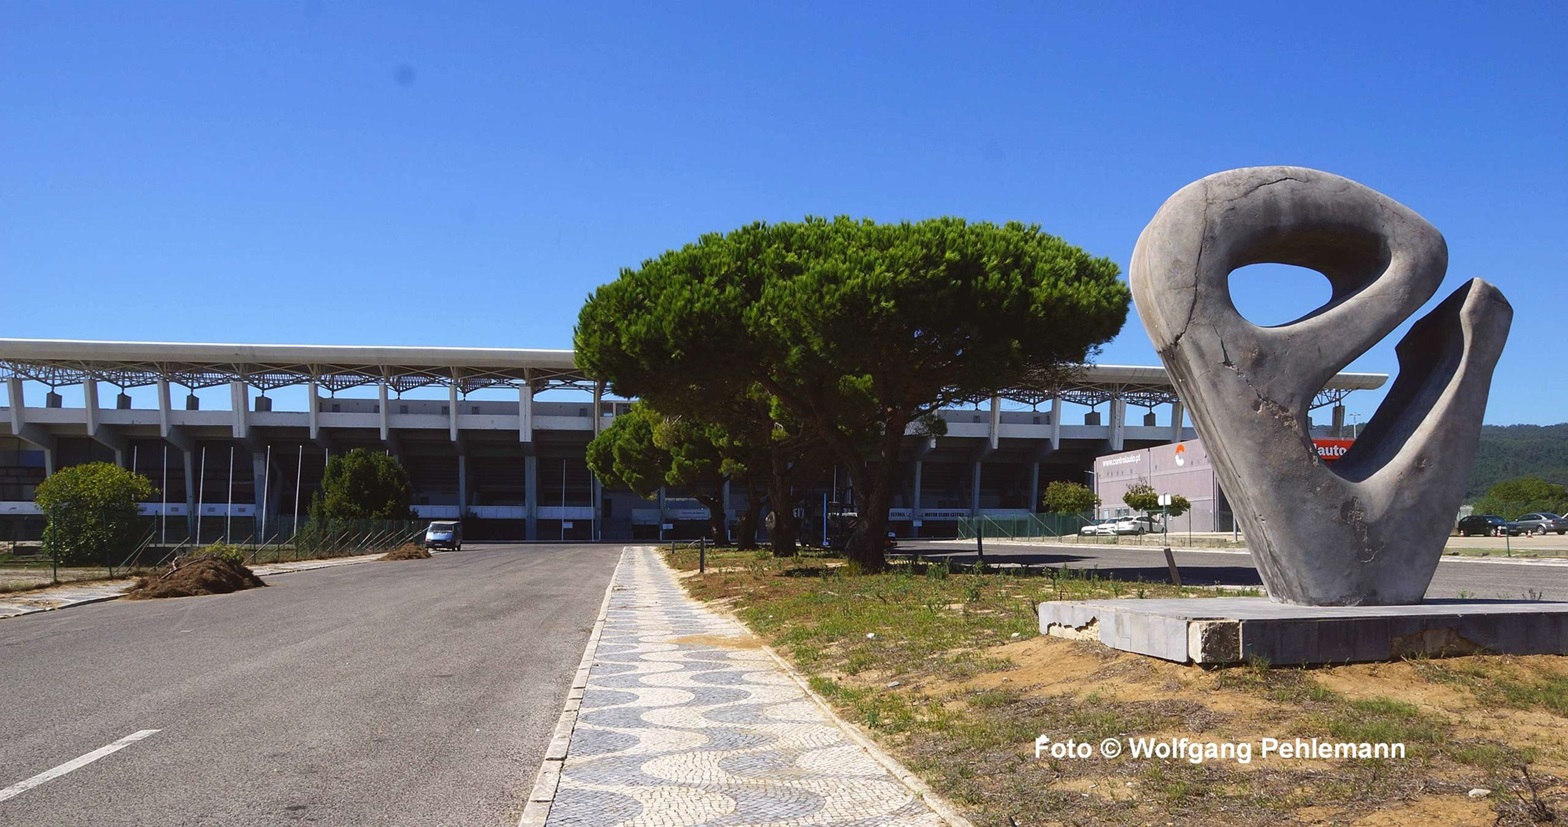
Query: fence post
<point>702,555</point>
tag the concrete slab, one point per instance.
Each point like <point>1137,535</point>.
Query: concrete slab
<point>1223,630</point>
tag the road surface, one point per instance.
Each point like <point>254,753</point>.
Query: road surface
<point>412,693</point>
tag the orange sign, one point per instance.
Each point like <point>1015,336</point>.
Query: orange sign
<point>1181,454</point>
<point>1332,449</point>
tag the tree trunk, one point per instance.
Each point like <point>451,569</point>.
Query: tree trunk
<point>718,528</point>
<point>785,532</point>
<point>746,532</point>
<point>868,543</point>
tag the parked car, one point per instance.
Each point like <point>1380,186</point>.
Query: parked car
<point>1486,525</point>
<point>445,534</point>
<point>1131,525</point>
<point>1099,528</point>
<point>1541,522</point>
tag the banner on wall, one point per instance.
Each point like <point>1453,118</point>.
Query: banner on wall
<point>1332,449</point>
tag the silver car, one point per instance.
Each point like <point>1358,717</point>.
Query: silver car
<point>1541,522</point>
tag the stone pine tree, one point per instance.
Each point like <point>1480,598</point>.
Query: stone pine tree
<point>363,485</point>
<point>644,450</point>
<point>854,328</point>
<point>91,512</point>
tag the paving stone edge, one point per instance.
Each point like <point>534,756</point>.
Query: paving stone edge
<point>537,810</point>
<point>938,805</point>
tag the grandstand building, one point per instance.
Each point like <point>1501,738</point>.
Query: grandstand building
<point>236,437</point>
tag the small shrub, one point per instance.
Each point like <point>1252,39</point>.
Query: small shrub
<point>221,551</point>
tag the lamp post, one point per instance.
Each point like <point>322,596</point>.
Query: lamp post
<point>1355,425</point>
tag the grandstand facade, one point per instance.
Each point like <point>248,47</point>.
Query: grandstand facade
<point>236,437</point>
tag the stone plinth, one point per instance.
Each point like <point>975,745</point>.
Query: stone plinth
<point>1225,630</point>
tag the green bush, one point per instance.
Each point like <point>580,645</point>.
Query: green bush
<point>92,512</point>
<point>223,551</point>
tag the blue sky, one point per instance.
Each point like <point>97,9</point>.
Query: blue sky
<point>414,174</point>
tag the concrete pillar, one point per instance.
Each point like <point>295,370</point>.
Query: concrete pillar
<point>915,515</point>
<point>1177,414</point>
<point>661,513</point>
<point>996,421</point>
<point>531,496</point>
<point>1034,487</point>
<point>598,504</point>
<point>1339,421</point>
<point>314,406</point>
<point>1118,424</point>
<point>451,395</point>
<point>462,484</point>
<point>192,402</point>
<point>598,407</point>
<point>165,414</point>
<point>90,405</point>
<point>239,406</point>
<point>1149,420</point>
<point>525,414</point>
<point>974,489</point>
<point>190,491</point>
<point>122,402</point>
<point>1056,423</point>
<point>386,424</point>
<point>261,480</point>
<point>17,401</point>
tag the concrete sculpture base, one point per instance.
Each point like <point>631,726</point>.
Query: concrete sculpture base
<point>1222,630</point>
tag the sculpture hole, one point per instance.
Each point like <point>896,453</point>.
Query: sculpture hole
<point>1269,295</point>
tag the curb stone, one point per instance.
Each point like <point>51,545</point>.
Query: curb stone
<point>537,810</point>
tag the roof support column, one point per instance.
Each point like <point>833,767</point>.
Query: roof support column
<point>239,406</point>
<point>386,423</point>
<point>974,489</point>
<point>1177,414</point>
<point>525,413</point>
<point>314,392</point>
<point>451,395</point>
<point>462,482</point>
<point>165,411</point>
<point>598,407</point>
<point>90,404</point>
<point>996,421</point>
<point>531,496</point>
<point>95,429</point>
<point>914,511</point>
<point>1118,423</point>
<point>1056,423</point>
<point>1034,488</point>
<point>18,403</point>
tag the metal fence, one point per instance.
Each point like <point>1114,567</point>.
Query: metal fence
<point>157,543</point>
<point>1028,527</point>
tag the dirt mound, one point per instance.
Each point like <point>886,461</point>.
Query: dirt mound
<point>203,575</point>
<point>407,551</point>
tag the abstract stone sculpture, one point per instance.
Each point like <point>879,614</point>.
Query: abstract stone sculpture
<point>1370,529</point>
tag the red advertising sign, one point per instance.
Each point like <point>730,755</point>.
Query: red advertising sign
<point>1332,449</point>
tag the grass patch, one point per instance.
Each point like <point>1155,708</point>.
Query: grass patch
<point>936,664</point>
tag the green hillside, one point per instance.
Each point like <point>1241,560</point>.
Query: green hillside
<point>1510,451</point>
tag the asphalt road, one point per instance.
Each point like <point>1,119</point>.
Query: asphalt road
<point>1488,578</point>
<point>411,693</point>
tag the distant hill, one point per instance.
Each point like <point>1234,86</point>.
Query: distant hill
<point>1511,451</point>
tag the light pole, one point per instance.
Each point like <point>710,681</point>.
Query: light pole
<point>1355,425</point>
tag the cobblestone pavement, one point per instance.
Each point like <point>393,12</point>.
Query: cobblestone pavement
<point>685,720</point>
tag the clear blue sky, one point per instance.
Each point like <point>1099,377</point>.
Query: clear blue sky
<point>387,173</point>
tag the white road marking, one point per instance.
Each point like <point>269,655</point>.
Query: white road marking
<point>72,765</point>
